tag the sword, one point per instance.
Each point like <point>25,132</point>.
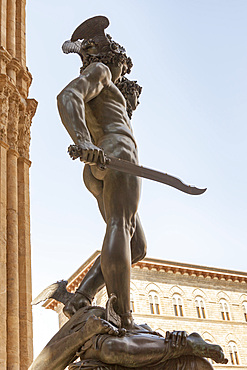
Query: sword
<point>121,165</point>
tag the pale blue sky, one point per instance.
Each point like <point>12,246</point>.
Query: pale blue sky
<point>190,56</point>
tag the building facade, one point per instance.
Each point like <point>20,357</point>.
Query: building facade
<point>16,112</point>
<point>178,296</point>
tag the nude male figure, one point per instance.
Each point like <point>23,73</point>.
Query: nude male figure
<point>93,111</point>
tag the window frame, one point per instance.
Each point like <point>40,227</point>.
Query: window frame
<point>178,307</point>
<point>154,303</point>
<point>225,310</point>
<point>234,353</point>
<point>244,307</point>
<point>200,307</point>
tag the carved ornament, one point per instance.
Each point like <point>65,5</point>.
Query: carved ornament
<point>13,119</point>
<point>4,107</point>
<point>27,112</point>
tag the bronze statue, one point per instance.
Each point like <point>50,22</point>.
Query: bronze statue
<point>93,110</point>
<point>101,345</point>
<point>96,108</point>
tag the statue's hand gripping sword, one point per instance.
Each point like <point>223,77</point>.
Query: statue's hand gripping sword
<point>121,165</point>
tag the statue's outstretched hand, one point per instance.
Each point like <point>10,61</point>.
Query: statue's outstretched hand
<point>176,338</point>
<point>88,153</point>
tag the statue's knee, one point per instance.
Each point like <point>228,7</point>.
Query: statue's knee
<point>108,351</point>
<point>120,223</point>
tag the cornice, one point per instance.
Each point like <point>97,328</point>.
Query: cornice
<point>192,270</point>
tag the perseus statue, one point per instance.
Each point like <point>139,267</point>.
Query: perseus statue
<point>96,109</point>
<point>93,110</point>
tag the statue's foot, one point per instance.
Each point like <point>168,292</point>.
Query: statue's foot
<point>135,328</point>
<point>94,325</point>
<point>128,324</point>
<point>75,303</point>
<point>203,349</point>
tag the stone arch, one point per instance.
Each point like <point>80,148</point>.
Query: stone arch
<point>199,292</point>
<point>206,335</point>
<point>223,295</point>
<point>153,287</point>
<point>176,290</point>
<point>232,338</point>
<point>243,298</point>
<point>133,287</point>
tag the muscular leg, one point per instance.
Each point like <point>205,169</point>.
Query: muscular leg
<point>94,281</point>
<point>120,196</point>
<point>138,241</point>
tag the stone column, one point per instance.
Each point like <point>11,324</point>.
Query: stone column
<point>3,223</point>
<point>20,31</point>
<point>16,112</point>
<point>3,22</point>
<point>3,255</point>
<point>12,236</point>
<point>25,282</point>
<point>11,18</point>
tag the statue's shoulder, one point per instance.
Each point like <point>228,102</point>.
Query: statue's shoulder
<point>98,70</point>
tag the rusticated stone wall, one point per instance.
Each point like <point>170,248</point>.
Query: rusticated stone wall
<point>16,112</point>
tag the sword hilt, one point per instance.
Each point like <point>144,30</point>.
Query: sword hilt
<point>75,152</point>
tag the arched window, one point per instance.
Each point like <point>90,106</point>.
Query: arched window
<point>132,302</point>
<point>178,305</point>
<point>233,351</point>
<point>200,308</point>
<point>225,312</point>
<point>154,303</point>
<point>244,305</point>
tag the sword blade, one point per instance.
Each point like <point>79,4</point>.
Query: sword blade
<point>147,173</point>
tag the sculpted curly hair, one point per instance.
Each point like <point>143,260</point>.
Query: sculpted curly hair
<point>127,88</point>
<point>115,55</point>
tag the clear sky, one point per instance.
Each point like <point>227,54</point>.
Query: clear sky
<point>190,57</point>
